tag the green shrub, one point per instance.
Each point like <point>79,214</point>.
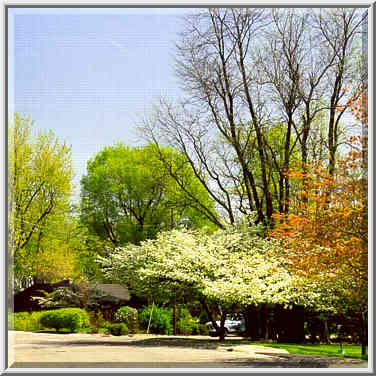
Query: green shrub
<point>96,321</point>
<point>118,329</point>
<point>106,324</point>
<point>128,316</point>
<point>68,318</point>
<point>29,322</point>
<point>10,319</point>
<point>161,319</point>
<point>34,321</point>
<point>21,321</point>
<point>186,324</point>
<point>84,330</point>
<point>105,327</point>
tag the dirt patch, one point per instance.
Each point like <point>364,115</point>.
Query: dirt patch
<point>51,350</point>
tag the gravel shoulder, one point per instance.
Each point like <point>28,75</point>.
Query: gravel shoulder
<point>51,350</point>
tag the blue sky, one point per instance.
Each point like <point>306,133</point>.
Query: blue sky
<point>88,74</point>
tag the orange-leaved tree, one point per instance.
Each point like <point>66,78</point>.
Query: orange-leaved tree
<point>325,234</point>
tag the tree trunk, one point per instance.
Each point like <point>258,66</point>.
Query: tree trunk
<point>222,330</point>
<point>363,332</point>
<point>325,334</point>
<point>219,329</point>
<point>266,322</point>
<point>281,192</point>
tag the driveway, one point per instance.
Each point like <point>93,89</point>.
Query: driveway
<point>51,350</point>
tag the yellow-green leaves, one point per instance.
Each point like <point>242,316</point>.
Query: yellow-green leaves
<point>128,194</point>
<point>39,180</point>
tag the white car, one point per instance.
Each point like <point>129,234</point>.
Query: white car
<point>234,323</point>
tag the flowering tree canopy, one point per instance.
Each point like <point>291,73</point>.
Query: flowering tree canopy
<point>234,266</point>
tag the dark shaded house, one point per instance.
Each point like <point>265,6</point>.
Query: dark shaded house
<point>23,301</point>
<point>99,296</point>
<point>113,290</point>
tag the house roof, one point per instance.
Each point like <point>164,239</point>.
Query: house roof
<point>115,290</point>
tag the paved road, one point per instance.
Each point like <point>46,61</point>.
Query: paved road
<point>51,350</point>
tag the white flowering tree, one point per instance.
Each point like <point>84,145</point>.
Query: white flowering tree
<point>227,269</point>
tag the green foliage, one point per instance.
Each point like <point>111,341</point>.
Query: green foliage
<point>274,136</point>
<point>203,317</point>
<point>160,322</point>
<point>186,324</point>
<point>40,184</point>
<point>127,195</point>
<point>105,328</point>
<point>89,247</point>
<point>129,316</point>
<point>96,321</point>
<point>118,329</point>
<point>34,320</point>
<point>21,321</point>
<point>29,322</point>
<point>68,318</point>
<point>10,319</point>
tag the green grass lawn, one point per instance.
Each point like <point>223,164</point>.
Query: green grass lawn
<point>351,351</point>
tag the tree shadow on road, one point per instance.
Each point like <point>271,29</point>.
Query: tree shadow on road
<point>148,342</point>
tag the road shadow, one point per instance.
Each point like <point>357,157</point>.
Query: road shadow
<point>148,342</point>
<point>290,362</point>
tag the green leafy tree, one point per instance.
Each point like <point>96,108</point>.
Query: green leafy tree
<point>128,196</point>
<point>40,183</point>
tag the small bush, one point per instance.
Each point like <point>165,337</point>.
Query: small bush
<point>118,329</point>
<point>105,327</point>
<point>10,319</point>
<point>128,316</point>
<point>186,324</point>
<point>21,321</point>
<point>96,321</point>
<point>161,319</point>
<point>34,321</point>
<point>68,318</point>
<point>29,322</point>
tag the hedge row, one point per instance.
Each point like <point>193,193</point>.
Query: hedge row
<point>64,318</point>
<point>27,322</point>
<point>157,319</point>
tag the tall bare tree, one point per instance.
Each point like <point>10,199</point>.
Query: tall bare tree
<point>215,68</point>
<point>340,36</point>
<point>245,72</point>
<point>280,67</point>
